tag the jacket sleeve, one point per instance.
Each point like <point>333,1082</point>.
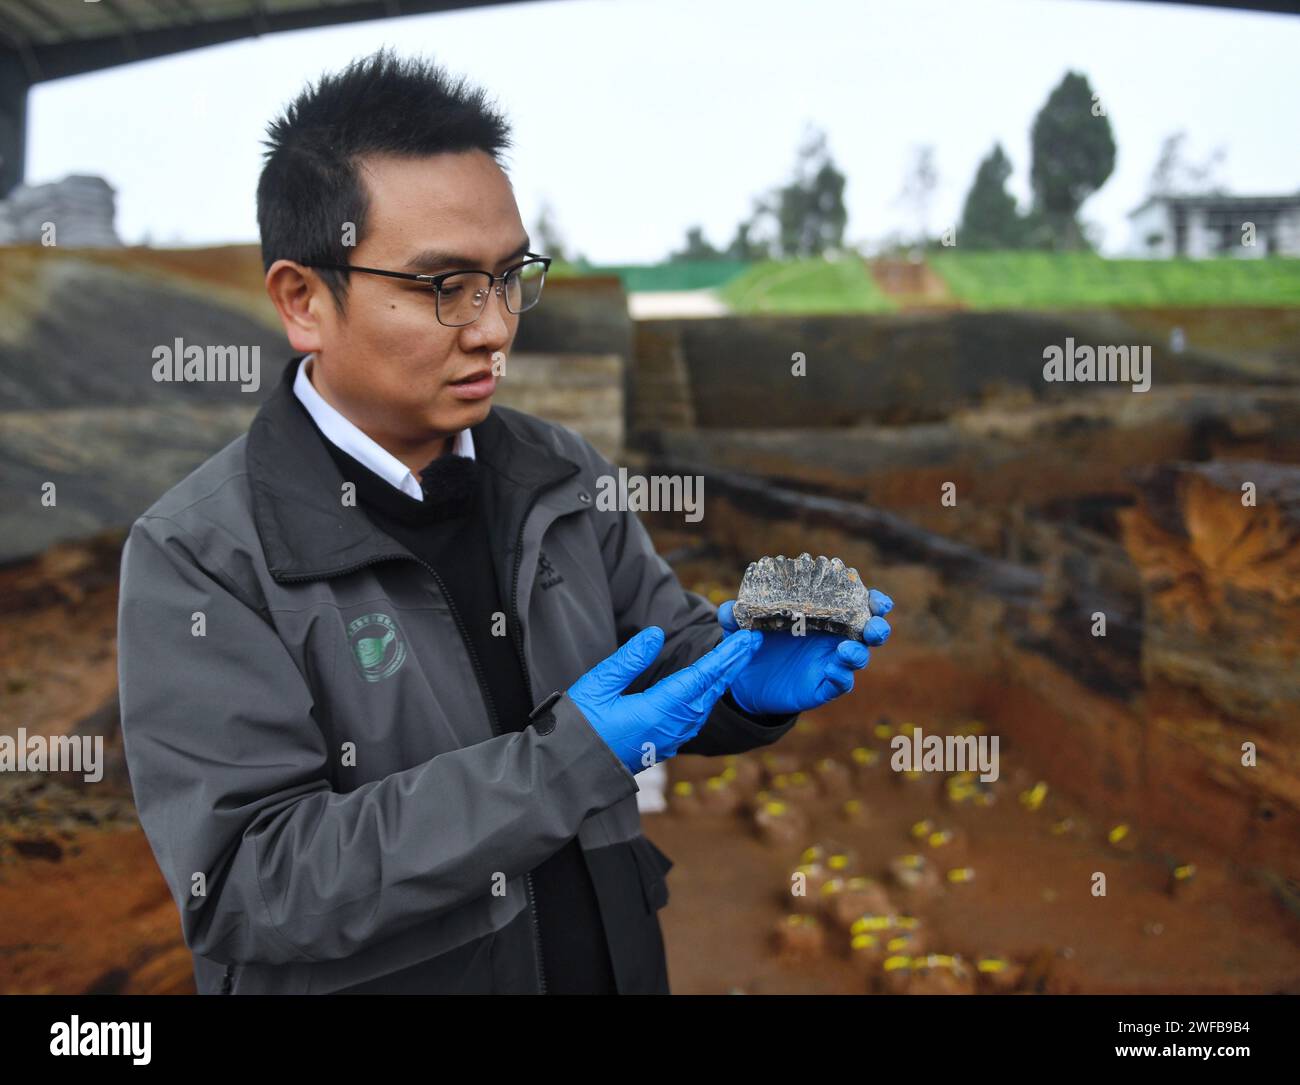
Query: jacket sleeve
<point>646,592</point>
<point>231,775</point>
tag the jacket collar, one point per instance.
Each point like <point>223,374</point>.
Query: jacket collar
<point>307,532</point>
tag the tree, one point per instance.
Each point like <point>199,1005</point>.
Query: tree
<point>1174,175</point>
<point>548,235</point>
<point>745,246</point>
<point>810,213</point>
<point>990,219</point>
<point>696,248</point>
<point>1073,155</point>
<point>919,184</point>
<point>805,217</point>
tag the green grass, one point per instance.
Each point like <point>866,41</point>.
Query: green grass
<point>995,280</point>
<point>806,286</point>
<point>1049,280</point>
<point>695,275</point>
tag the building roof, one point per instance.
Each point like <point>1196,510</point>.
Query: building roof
<point>1273,202</point>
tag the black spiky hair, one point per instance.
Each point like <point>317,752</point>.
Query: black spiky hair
<point>380,104</point>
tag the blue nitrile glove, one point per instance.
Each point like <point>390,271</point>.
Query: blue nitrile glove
<point>793,674</point>
<point>644,728</point>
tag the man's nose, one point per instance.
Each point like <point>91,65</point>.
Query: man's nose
<point>492,328</point>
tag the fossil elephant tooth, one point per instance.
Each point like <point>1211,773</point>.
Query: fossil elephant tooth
<point>827,593</point>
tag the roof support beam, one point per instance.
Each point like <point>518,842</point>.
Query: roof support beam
<point>14,82</point>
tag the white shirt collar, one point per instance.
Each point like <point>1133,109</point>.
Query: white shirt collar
<point>346,436</point>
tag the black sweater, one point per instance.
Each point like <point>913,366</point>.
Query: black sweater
<point>448,531</point>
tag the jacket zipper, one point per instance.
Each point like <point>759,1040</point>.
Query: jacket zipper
<point>478,674</point>
<point>528,686</point>
<point>227,981</point>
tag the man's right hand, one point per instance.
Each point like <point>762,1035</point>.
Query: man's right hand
<point>645,728</point>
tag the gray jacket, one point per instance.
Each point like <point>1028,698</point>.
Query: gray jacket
<point>320,777</point>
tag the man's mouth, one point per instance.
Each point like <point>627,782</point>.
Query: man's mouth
<point>482,374</point>
<point>480,384</point>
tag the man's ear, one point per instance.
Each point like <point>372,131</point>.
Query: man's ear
<point>297,294</point>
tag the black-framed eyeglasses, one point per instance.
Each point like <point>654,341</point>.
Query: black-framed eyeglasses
<point>461,296</point>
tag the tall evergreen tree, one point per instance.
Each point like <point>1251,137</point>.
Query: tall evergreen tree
<point>1073,155</point>
<point>989,219</point>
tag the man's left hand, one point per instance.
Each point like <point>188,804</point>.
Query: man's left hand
<point>795,673</point>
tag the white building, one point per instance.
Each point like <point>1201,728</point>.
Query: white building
<point>1204,226</point>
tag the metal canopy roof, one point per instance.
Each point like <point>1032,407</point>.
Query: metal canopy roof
<point>51,39</point>
<point>55,38</point>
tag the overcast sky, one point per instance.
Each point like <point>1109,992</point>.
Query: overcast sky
<point>638,118</point>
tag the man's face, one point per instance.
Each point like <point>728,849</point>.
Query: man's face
<point>387,363</point>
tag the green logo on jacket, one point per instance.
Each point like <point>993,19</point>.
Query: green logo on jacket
<point>377,646</point>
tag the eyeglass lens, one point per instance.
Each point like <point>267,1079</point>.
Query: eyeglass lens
<point>463,295</point>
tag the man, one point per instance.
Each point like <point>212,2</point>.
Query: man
<point>381,731</point>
